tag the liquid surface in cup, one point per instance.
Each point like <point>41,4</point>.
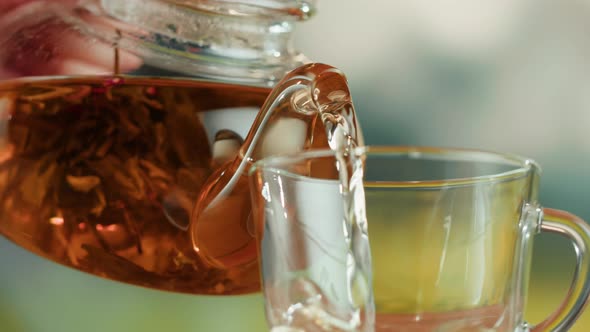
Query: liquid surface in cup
<point>102,174</point>
<point>444,259</point>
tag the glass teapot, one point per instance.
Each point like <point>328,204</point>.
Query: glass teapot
<point>142,179</point>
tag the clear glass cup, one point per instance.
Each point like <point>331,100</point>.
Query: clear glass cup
<point>315,258</point>
<point>451,234</point>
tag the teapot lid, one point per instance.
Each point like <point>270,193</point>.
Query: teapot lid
<point>229,40</point>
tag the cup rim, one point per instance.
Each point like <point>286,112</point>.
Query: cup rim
<point>522,166</point>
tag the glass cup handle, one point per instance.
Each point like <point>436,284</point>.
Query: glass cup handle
<point>578,231</point>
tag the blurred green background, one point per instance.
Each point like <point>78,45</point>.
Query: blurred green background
<point>505,75</point>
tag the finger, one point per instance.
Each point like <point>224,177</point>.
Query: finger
<point>39,50</point>
<point>80,67</point>
<point>101,54</point>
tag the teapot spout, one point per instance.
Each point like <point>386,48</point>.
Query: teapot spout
<point>311,107</point>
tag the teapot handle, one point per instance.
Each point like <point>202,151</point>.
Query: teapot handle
<point>310,107</point>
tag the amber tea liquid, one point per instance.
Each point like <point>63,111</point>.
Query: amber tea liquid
<point>101,174</point>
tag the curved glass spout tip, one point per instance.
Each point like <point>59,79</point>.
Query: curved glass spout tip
<point>310,107</point>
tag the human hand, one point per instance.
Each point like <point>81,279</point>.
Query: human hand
<point>35,41</point>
